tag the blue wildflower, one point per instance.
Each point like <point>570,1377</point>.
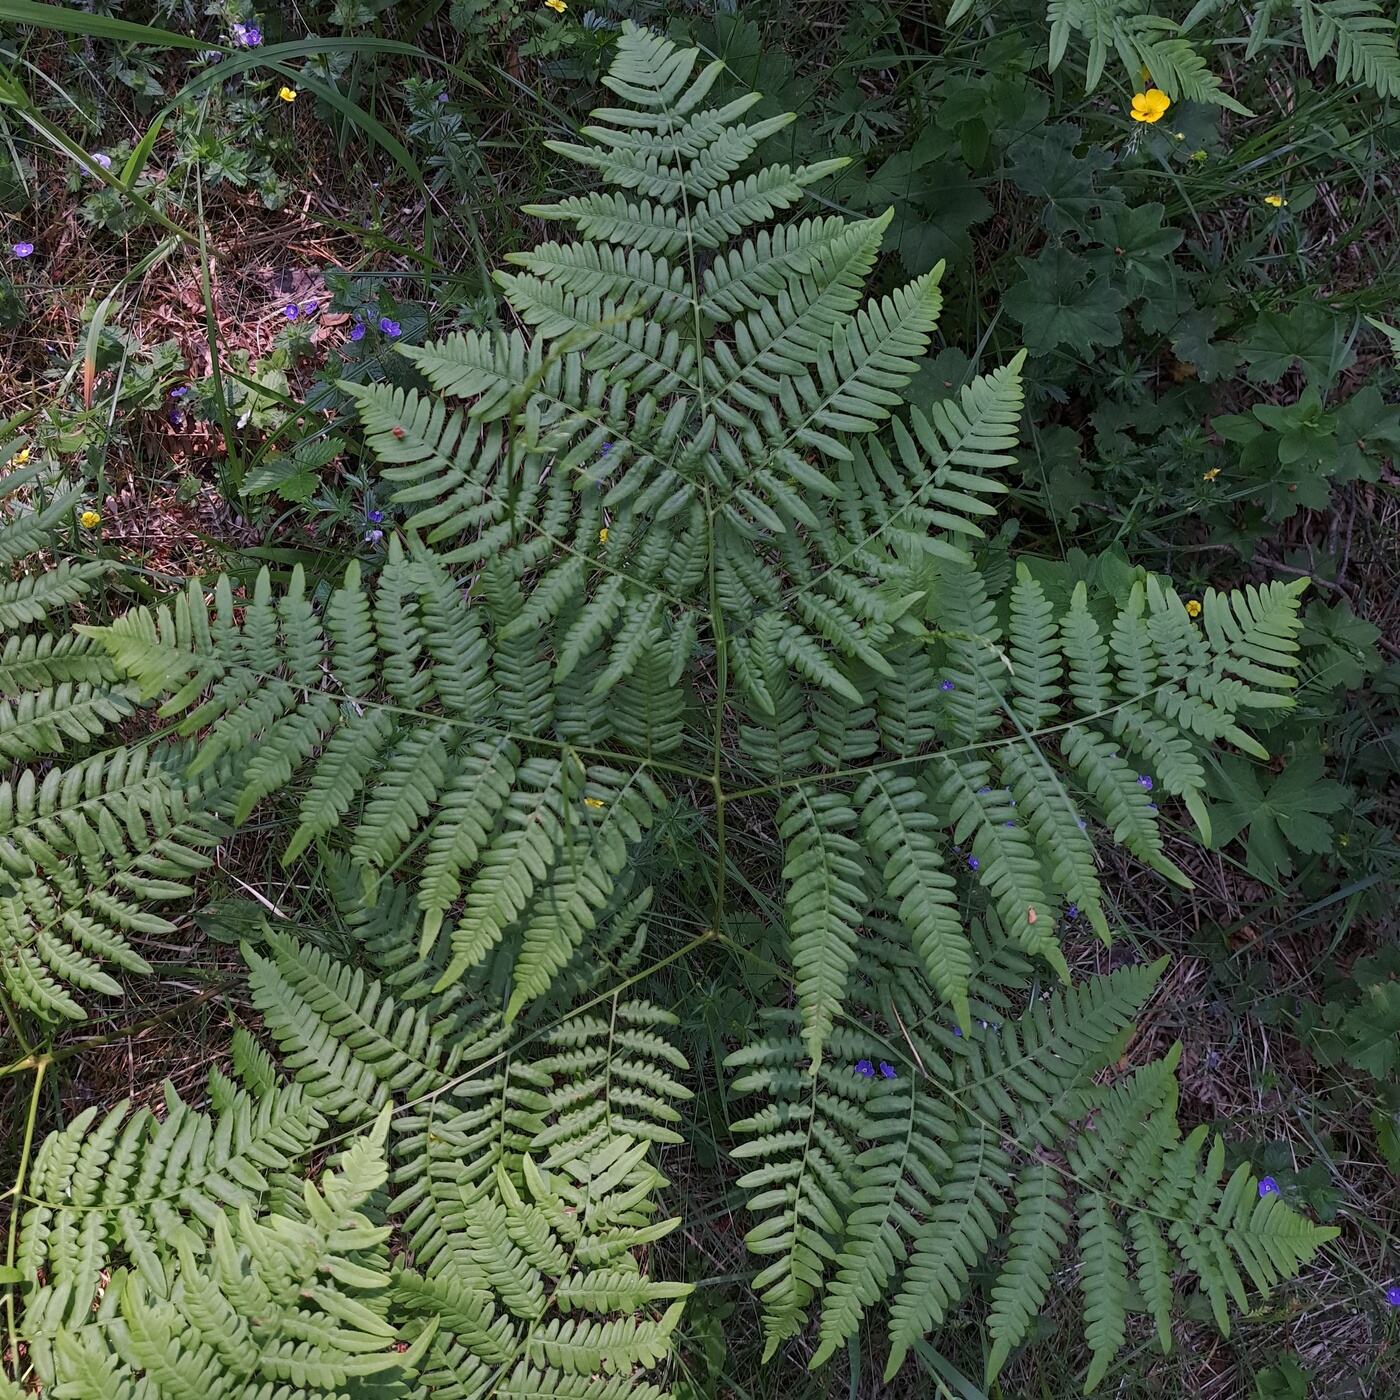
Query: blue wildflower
<point>177,418</point>
<point>945,685</point>
<point>1008,823</point>
<point>1268,1187</point>
<point>105,161</point>
<point>983,791</point>
<point>373,536</point>
<point>291,311</point>
<point>865,1069</point>
<point>180,392</point>
<point>1072,912</point>
<point>248,35</point>
<point>357,331</point>
<point>442,97</point>
<point>375,517</point>
<point>1082,824</point>
<point>886,1071</point>
<point>605,449</point>
<point>309,308</point>
<point>22,250</point>
<point>1392,1296</point>
<point>1144,782</point>
<point>973,863</point>
<point>957,1031</point>
<point>389,327</point>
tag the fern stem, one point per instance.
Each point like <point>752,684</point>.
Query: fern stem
<point>721,693</point>
<point>40,1064</point>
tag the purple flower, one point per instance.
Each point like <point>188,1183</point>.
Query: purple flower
<point>886,1071</point>
<point>973,863</point>
<point>105,161</point>
<point>357,331</point>
<point>957,1031</point>
<point>373,536</point>
<point>1082,824</point>
<point>945,685</point>
<point>375,517</point>
<point>248,35</point>
<point>865,1069</point>
<point>308,308</point>
<point>1008,823</point>
<point>22,250</point>
<point>442,97</point>
<point>605,449</point>
<point>983,791</point>
<point>180,392</point>
<point>1392,1296</point>
<point>1072,912</point>
<point>1268,1187</point>
<point>291,311</point>
<point>389,327</point>
<point>1144,782</point>
<point>177,418</point>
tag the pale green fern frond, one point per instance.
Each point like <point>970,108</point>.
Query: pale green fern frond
<point>129,1188</point>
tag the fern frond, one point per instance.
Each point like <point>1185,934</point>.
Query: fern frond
<point>825,901</point>
<point>128,1187</point>
<point>1037,1236</point>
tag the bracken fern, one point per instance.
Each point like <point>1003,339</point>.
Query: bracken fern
<point>675,546</point>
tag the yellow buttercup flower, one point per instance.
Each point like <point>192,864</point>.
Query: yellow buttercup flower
<point>593,802</point>
<point>89,520</point>
<point>287,94</point>
<point>21,458</point>
<point>1150,106</point>
<point>1211,474</point>
<point>1193,608</point>
<point>558,6</point>
<point>603,535</point>
<point>1275,201</point>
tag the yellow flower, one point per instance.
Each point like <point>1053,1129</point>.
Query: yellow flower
<point>1150,106</point>
<point>1211,474</point>
<point>1193,608</point>
<point>287,94</point>
<point>603,535</point>
<point>1275,201</point>
<point>593,802</point>
<point>89,520</point>
<point>21,458</point>
<point>558,6</point>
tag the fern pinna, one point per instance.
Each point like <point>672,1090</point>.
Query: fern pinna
<point>677,546</point>
<point>88,843</point>
<point>176,1251</point>
<point>923,1151</point>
